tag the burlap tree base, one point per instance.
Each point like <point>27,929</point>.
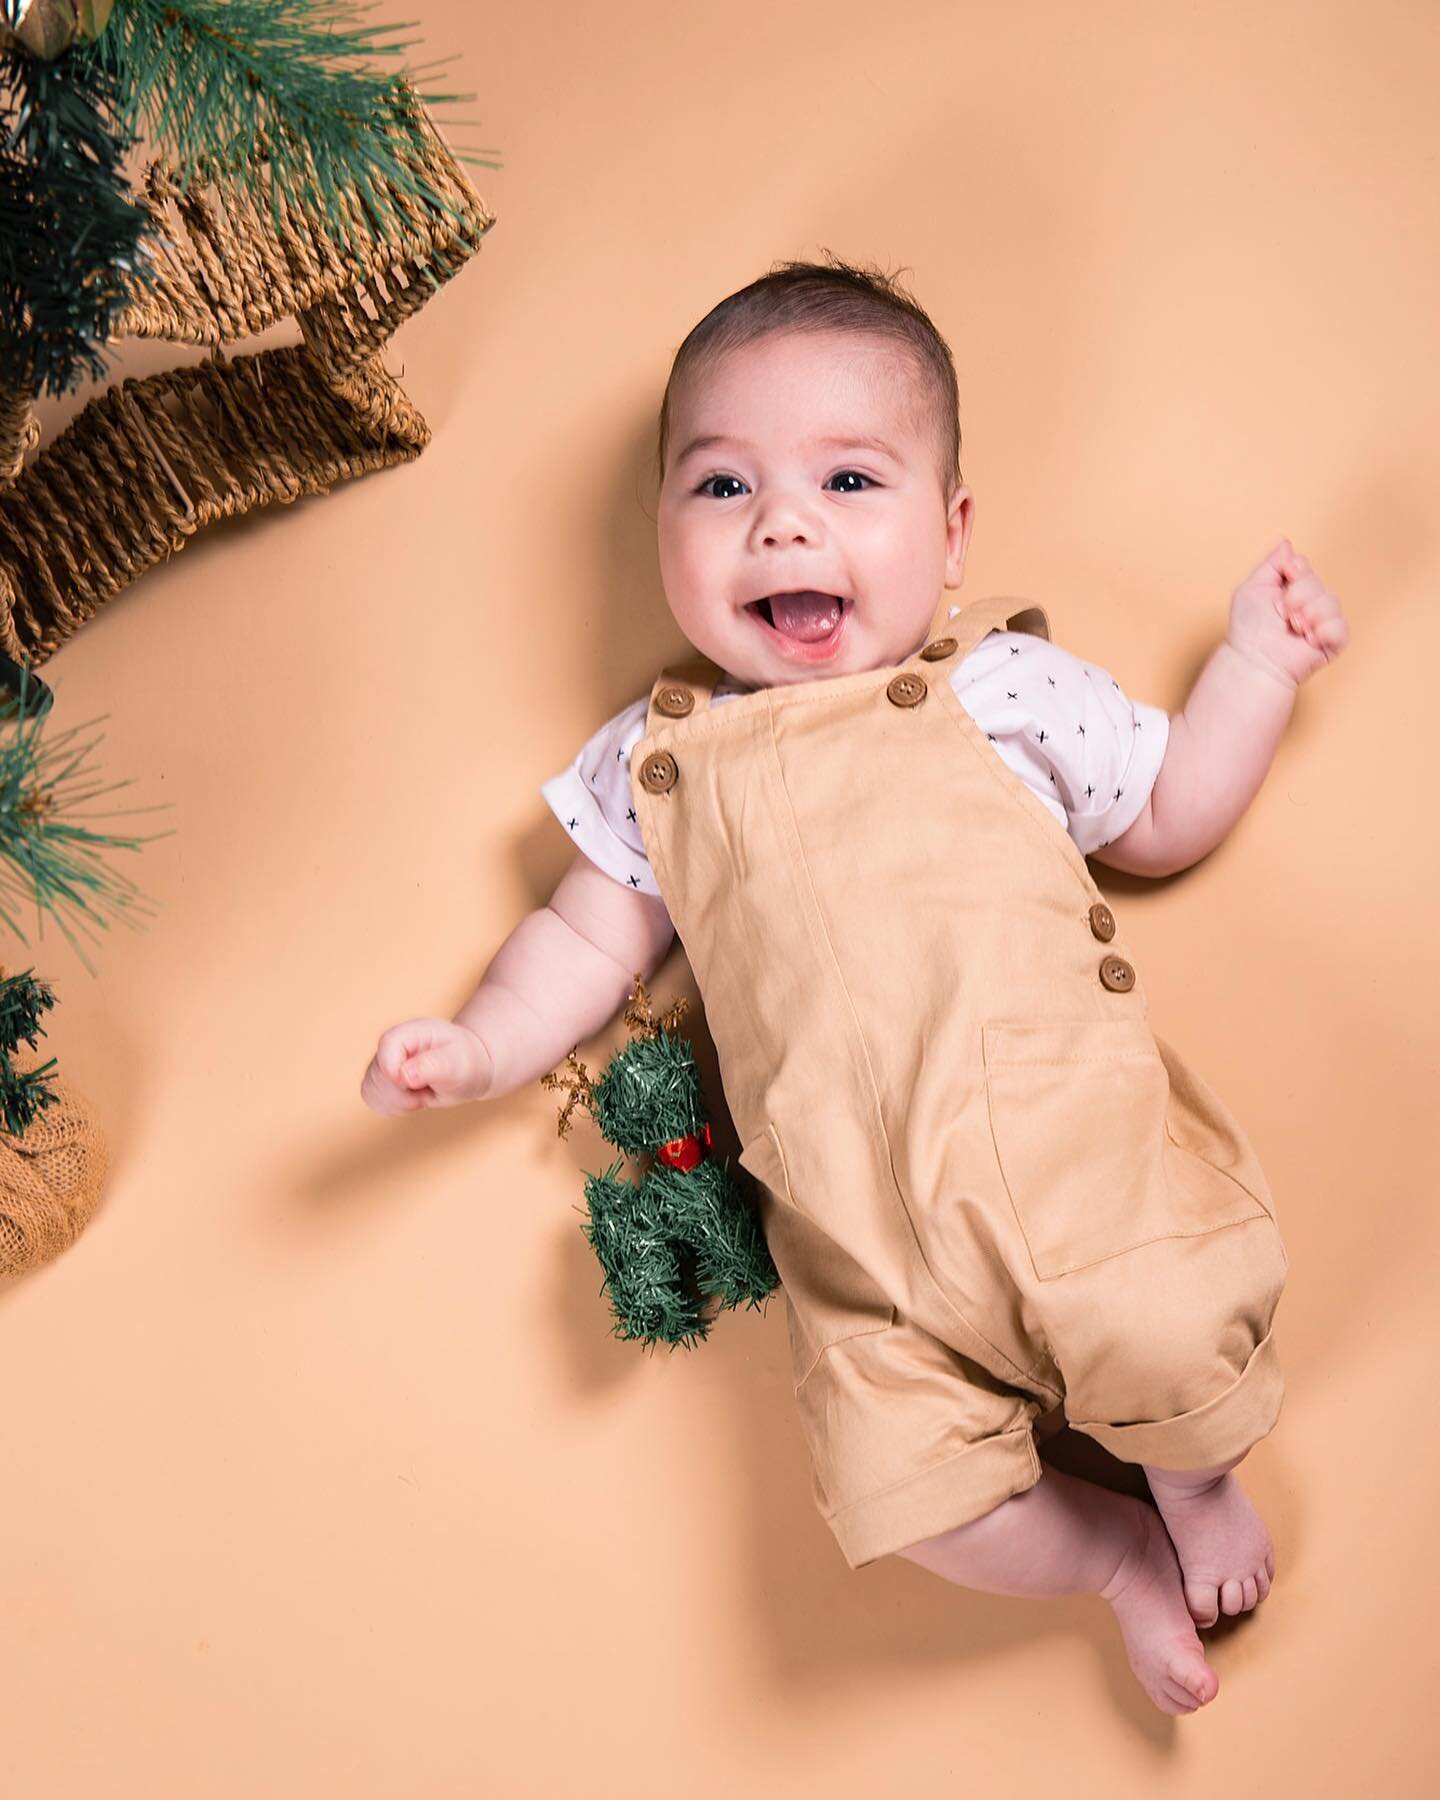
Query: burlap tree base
<point>150,461</point>
<point>51,1175</point>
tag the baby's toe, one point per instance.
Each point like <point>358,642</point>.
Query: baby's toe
<point>1193,1680</point>
<point>1178,1698</point>
<point>1231,1597</point>
<point>1262,1582</point>
<point>1202,1600</point>
<point>1251,1590</point>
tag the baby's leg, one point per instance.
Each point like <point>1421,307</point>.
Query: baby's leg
<point>1224,1549</point>
<point>1064,1536</point>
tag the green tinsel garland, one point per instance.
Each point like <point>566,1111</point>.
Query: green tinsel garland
<point>682,1236</point>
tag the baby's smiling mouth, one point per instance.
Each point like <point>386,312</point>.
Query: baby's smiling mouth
<point>803,614</point>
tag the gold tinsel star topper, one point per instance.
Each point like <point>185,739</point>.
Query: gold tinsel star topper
<point>639,1018</point>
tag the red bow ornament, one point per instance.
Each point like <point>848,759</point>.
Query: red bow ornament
<point>684,1152</point>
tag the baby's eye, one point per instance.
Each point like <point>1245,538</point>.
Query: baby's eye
<point>853,474</point>
<point>705,484</point>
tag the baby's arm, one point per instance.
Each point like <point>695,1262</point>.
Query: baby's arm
<point>563,973</point>
<point>1285,625</point>
<point>1216,756</point>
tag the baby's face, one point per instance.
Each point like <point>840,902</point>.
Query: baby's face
<point>785,496</point>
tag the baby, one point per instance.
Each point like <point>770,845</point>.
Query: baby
<point>996,1200</point>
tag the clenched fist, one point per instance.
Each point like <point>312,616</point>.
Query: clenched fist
<point>426,1062</point>
<point>1283,615</point>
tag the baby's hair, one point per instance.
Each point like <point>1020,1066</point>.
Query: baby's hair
<point>829,296</point>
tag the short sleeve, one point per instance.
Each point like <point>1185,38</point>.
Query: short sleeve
<point>1068,729</point>
<point>593,801</point>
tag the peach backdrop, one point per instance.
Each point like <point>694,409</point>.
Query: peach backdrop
<point>323,1475</point>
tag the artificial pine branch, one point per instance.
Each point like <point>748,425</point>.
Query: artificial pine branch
<point>70,235</point>
<point>222,86</point>
<point>44,858</point>
<point>22,999</point>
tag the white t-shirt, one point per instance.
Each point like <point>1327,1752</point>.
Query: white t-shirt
<point>1062,725</point>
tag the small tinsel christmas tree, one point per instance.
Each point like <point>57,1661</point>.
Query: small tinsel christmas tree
<point>52,1150</point>
<point>682,1236</point>
<point>22,1092</point>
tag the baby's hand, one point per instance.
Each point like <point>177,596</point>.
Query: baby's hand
<point>426,1062</point>
<point>1283,615</point>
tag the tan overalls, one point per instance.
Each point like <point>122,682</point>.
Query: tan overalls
<point>987,1186</point>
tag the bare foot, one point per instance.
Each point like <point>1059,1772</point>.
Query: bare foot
<point>1224,1549</point>
<point>1160,1641</point>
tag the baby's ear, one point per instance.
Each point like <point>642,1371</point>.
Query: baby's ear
<point>960,516</point>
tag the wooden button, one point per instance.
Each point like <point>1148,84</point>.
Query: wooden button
<point>906,690</point>
<point>939,647</point>
<point>674,701</point>
<point>659,772</point>
<point>1117,974</point>
<point>1102,921</point>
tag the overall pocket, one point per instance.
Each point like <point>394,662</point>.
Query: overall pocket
<point>829,1297</point>
<point>1085,1122</point>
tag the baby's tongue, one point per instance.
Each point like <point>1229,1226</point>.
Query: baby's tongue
<point>807,616</point>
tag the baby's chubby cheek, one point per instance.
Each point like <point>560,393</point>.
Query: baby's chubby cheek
<point>707,618</point>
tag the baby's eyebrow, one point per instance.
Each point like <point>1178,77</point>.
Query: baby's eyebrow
<point>850,441</point>
<point>861,441</point>
<point>709,443</point>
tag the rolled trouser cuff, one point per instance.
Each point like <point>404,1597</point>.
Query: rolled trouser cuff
<point>964,1487</point>
<point>1220,1431</point>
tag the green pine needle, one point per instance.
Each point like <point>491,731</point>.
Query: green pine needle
<point>71,250</point>
<point>22,999</point>
<point>706,1211</point>
<point>45,859</point>
<point>224,85</point>
<point>650,1296</point>
<point>649,1094</point>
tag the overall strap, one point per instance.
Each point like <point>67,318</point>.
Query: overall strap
<point>999,612</point>
<point>681,689</point>
<point>685,688</point>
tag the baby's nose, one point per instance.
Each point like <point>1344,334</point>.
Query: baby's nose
<point>785,523</point>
